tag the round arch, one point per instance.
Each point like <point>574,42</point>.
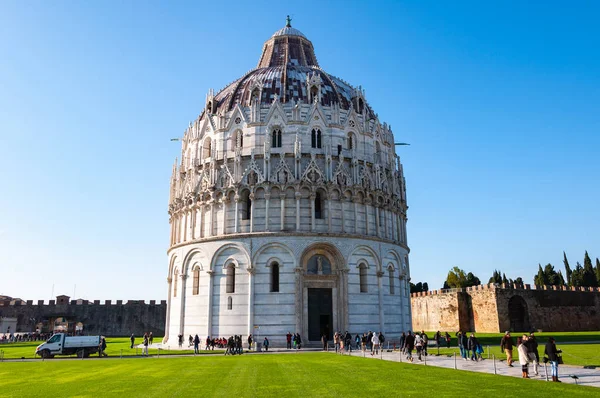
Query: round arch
<point>333,255</point>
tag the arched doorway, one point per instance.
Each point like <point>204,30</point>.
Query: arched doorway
<point>321,299</point>
<point>518,314</point>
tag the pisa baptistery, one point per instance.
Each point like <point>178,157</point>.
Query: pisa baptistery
<point>287,209</point>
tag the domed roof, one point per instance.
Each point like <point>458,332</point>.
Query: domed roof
<point>287,63</point>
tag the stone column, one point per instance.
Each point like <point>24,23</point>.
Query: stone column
<point>201,226</point>
<point>211,218</point>
<point>299,300</point>
<point>377,227</point>
<point>167,327</point>
<point>329,214</point>
<point>251,196</point>
<point>267,197</point>
<point>225,203</point>
<point>182,308</point>
<point>345,317</point>
<point>312,212</point>
<point>282,212</point>
<point>380,287</point>
<point>354,200</point>
<point>298,196</point>
<point>237,215</point>
<point>342,201</point>
<point>367,201</point>
<point>251,271</point>
<point>209,307</point>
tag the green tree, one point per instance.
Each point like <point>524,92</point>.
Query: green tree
<point>445,285</point>
<point>568,271</point>
<point>550,275</point>
<point>589,275</point>
<point>519,281</point>
<point>561,280</point>
<point>577,275</point>
<point>540,278</point>
<point>472,280</point>
<point>598,270</point>
<point>496,277</point>
<point>456,278</point>
<point>505,279</point>
<point>425,287</point>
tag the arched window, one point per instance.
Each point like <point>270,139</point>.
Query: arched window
<point>175,280</point>
<point>229,303</point>
<point>238,140</point>
<point>361,105</point>
<point>230,281</point>
<point>391,276</point>
<point>276,139</point>
<point>314,93</point>
<point>255,95</point>
<point>318,206</point>
<point>206,153</point>
<point>246,207</point>
<point>315,138</point>
<point>274,277</point>
<point>350,141</point>
<point>362,274</point>
<point>196,283</point>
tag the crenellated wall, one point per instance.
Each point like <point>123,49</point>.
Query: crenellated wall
<point>108,318</point>
<point>496,308</point>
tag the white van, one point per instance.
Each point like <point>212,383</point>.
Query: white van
<point>61,344</point>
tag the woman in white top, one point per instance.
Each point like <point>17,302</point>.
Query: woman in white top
<point>419,345</point>
<point>523,357</point>
<point>375,341</point>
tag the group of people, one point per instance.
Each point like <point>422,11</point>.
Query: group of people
<point>414,341</point>
<point>293,340</point>
<point>469,347</point>
<point>527,346</point>
<point>343,342</point>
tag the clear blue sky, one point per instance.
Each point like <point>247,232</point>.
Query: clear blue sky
<point>501,104</point>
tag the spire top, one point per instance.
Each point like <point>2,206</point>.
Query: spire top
<point>288,22</point>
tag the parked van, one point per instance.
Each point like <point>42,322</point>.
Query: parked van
<point>61,344</point>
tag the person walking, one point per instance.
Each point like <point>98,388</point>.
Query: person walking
<point>132,338</point>
<point>419,345</point>
<point>409,345</point>
<point>523,356</point>
<point>151,338</point>
<point>249,342</point>
<point>336,342</point>
<point>102,347</point>
<point>179,340</point>
<point>288,339</point>
<point>348,341</point>
<point>473,346</point>
<point>437,337</point>
<point>357,341</point>
<point>375,342</point>
<point>552,353</point>
<point>145,349</point>
<point>324,342</point>
<point>266,343</point>
<point>459,335</point>
<point>364,342</point>
<point>299,340</point>
<point>196,344</point>
<point>506,345</point>
<point>532,351</point>
<point>425,342</point>
<point>448,339</point>
<point>401,343</point>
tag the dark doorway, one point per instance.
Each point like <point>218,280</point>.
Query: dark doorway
<point>320,314</point>
<point>518,314</point>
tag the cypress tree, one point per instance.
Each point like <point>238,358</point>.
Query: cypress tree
<point>540,278</point>
<point>589,275</point>
<point>561,280</point>
<point>568,271</point>
<point>577,275</point>
<point>504,279</point>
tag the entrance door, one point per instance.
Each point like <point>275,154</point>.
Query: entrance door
<point>320,314</point>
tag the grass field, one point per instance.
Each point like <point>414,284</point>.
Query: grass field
<point>542,337</point>
<point>113,348</point>
<point>258,375</point>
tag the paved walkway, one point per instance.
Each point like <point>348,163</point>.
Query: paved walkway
<point>587,377</point>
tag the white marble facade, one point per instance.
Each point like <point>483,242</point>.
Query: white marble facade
<point>287,209</point>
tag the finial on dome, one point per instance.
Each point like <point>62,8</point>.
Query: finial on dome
<point>288,22</point>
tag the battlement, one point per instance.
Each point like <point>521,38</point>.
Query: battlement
<point>506,286</point>
<point>64,301</point>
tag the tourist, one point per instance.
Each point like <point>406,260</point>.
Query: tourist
<point>145,349</point>
<point>298,341</point>
<point>375,344</point>
<point>207,342</point>
<point>448,339</point>
<point>437,337</point>
<point>102,347</point>
<point>324,342</point>
<point>363,342</point>
<point>190,341</point>
<point>250,342</point>
<point>473,346</point>
<point>419,345</point>
<point>425,342</point>
<point>401,343</point>
<point>381,340</point>
<point>180,340</point>
<point>196,344</point>
<point>460,344</point>
<point>288,338</point>
<point>370,341</point>
<point>409,345</point>
<point>532,350</point>
<point>523,356</point>
<point>357,341</point>
<point>552,353</point>
<point>151,338</point>
<point>348,341</point>
<point>266,344</point>
<point>506,345</point>
<point>132,338</point>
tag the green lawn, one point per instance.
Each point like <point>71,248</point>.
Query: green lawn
<point>113,348</point>
<point>542,337</point>
<point>256,375</point>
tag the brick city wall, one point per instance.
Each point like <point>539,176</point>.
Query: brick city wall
<point>108,319</point>
<point>496,308</point>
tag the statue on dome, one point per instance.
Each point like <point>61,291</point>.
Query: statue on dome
<point>288,22</point>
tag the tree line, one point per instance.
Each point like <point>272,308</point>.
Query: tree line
<point>585,275</point>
